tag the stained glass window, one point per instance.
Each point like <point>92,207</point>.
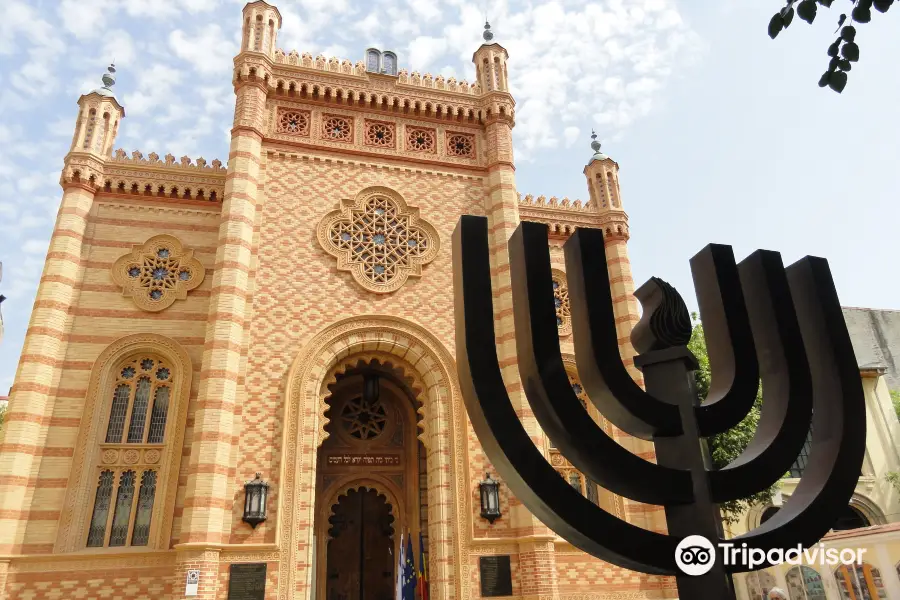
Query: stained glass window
<point>139,411</point>
<point>141,534</point>
<point>117,414</point>
<point>803,458</point>
<point>119,530</point>
<point>97,531</point>
<point>158,416</point>
<point>140,380</point>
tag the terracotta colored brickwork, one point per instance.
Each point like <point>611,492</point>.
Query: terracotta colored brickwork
<point>273,323</point>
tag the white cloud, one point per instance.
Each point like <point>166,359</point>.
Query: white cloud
<point>35,246</point>
<point>207,50</point>
<point>424,50</point>
<point>571,134</point>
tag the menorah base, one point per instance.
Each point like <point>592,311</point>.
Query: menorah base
<point>665,372</point>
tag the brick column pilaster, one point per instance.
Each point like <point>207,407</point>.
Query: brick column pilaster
<point>31,401</point>
<point>205,560</point>
<point>603,185</point>
<point>210,494</point>
<point>538,577</point>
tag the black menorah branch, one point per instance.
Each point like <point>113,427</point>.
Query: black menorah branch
<point>761,320</point>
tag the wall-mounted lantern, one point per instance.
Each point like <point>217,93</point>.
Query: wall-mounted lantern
<point>490,498</point>
<point>255,494</point>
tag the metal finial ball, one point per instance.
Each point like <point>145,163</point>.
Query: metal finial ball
<point>487,35</point>
<point>109,79</point>
<point>595,145</point>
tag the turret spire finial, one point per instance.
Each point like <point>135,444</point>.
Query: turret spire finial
<point>109,78</point>
<point>595,146</point>
<point>487,35</point>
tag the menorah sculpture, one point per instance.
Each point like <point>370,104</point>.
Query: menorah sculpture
<point>760,320</point>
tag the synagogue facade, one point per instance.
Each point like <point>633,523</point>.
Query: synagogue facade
<point>288,318</point>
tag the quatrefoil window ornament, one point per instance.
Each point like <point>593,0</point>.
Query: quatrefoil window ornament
<point>378,239</point>
<point>158,272</point>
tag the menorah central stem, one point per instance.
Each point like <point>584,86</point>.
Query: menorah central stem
<point>668,376</point>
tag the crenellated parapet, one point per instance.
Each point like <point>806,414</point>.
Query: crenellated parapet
<point>563,216</point>
<point>554,203</point>
<point>166,177</point>
<point>336,81</point>
<point>346,67</point>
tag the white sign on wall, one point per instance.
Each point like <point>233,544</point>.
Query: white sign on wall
<point>193,582</point>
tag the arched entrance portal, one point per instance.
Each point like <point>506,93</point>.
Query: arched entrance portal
<point>371,483</point>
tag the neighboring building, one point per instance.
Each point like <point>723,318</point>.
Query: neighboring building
<point>290,315</point>
<point>871,519</point>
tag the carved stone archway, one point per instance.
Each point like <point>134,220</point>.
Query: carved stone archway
<point>425,359</point>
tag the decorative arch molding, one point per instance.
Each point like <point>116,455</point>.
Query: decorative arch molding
<point>350,482</point>
<point>444,436</point>
<point>74,519</point>
<point>865,505</point>
<point>392,364</point>
<point>869,509</point>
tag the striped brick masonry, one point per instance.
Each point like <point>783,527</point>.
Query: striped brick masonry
<point>257,344</point>
<point>44,351</point>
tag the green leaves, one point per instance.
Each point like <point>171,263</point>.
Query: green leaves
<point>775,26</point>
<point>850,51</point>
<point>725,447</point>
<point>837,81</point>
<point>806,10</point>
<point>862,12</point>
<point>844,51</point>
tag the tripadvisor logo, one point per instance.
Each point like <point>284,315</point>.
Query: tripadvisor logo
<point>696,555</point>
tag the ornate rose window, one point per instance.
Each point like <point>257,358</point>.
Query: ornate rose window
<point>158,272</point>
<point>380,240</point>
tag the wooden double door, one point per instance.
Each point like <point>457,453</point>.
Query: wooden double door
<point>361,565</point>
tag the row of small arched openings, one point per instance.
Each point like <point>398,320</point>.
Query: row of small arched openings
<point>564,229</point>
<point>395,104</point>
<point>160,191</point>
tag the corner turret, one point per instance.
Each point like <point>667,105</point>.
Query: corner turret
<point>490,64</point>
<point>98,118</point>
<point>261,24</point>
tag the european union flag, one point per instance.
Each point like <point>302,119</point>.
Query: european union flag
<point>410,578</point>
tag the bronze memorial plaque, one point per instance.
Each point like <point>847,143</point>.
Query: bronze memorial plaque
<point>247,582</point>
<point>496,576</point>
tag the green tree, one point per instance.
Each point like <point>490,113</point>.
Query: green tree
<point>727,446</point>
<point>843,51</point>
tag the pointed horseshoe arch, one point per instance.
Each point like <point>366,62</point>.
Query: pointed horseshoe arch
<point>420,356</point>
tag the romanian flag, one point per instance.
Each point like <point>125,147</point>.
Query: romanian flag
<point>423,571</point>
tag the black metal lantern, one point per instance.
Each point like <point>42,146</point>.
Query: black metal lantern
<point>490,498</point>
<point>255,494</point>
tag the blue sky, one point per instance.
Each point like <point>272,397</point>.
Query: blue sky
<point>721,134</point>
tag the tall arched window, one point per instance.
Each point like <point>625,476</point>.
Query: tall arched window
<point>89,129</point>
<point>100,133</point>
<point>389,63</point>
<point>133,441</point>
<point>373,61</point>
<point>860,582</point>
<point>758,585</point>
<point>805,583</point>
<point>803,458</point>
<point>258,34</point>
